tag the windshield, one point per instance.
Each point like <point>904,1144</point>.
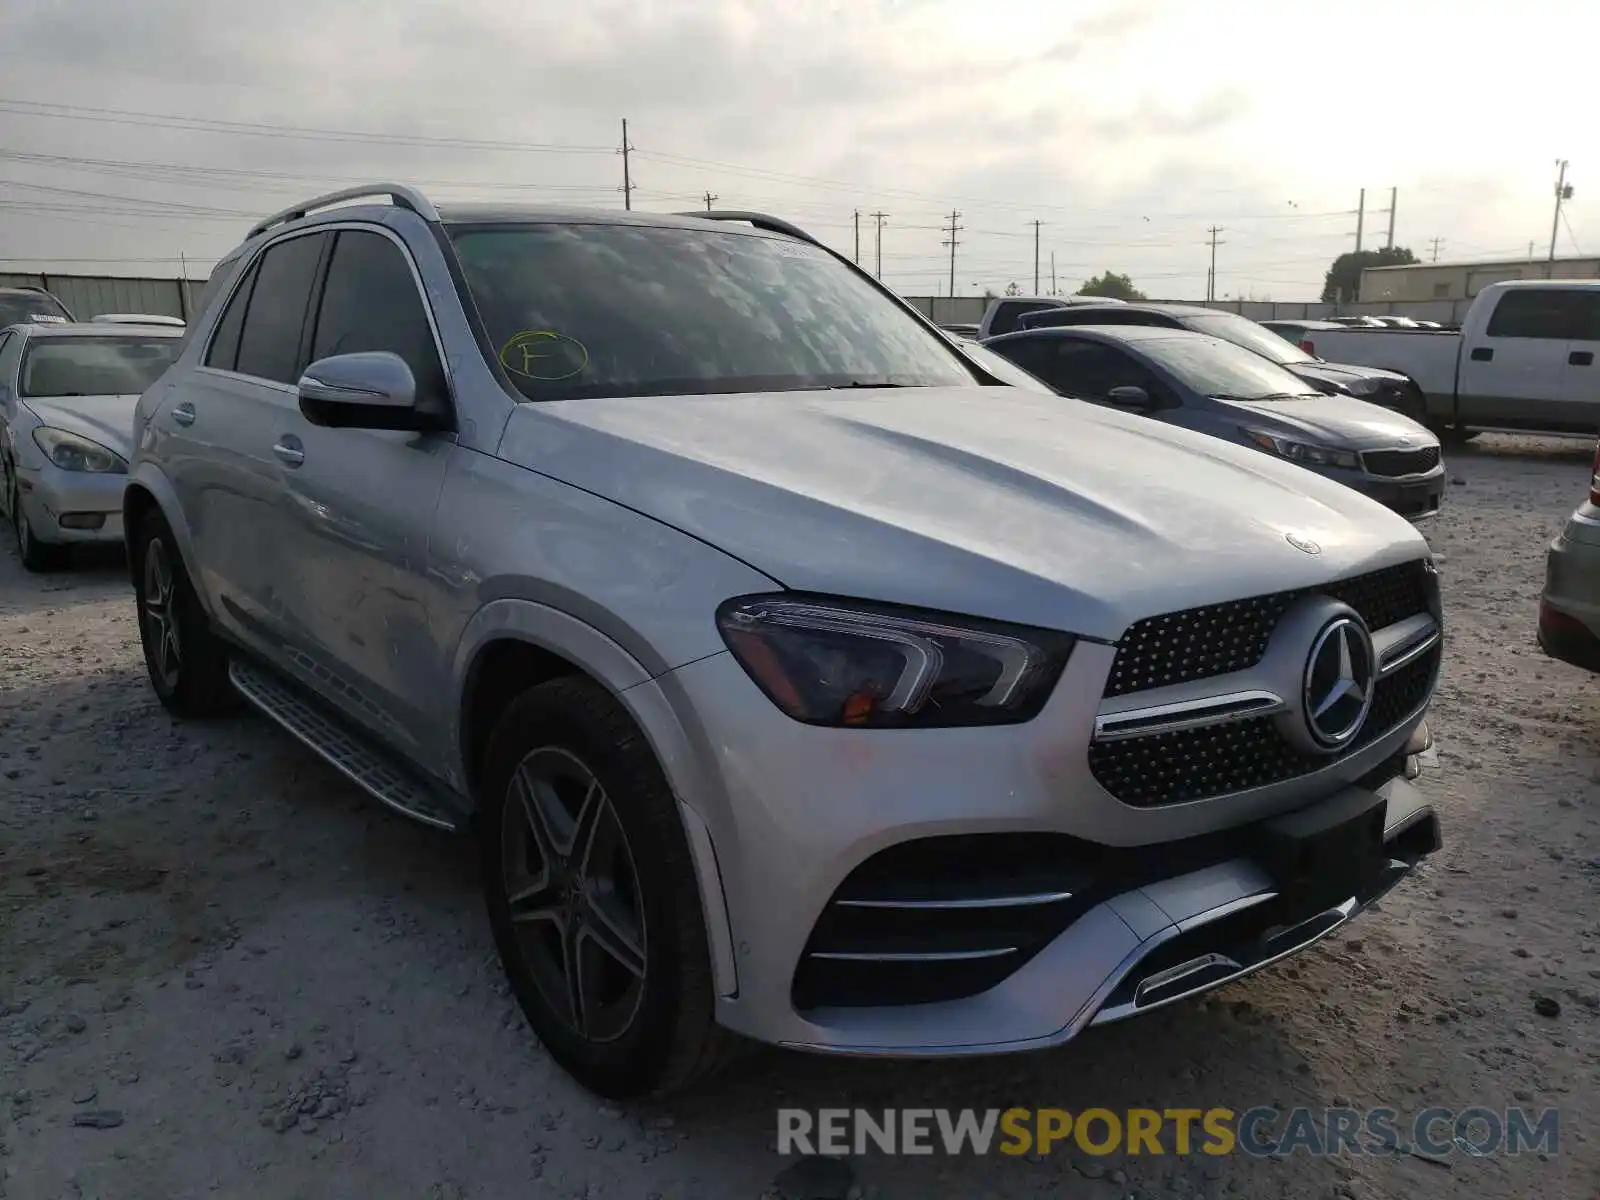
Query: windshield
<point>1214,367</point>
<point>31,308</point>
<point>1242,331</point>
<point>575,311</point>
<point>94,366</point>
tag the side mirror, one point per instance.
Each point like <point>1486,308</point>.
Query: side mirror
<point>1135,398</point>
<point>373,389</point>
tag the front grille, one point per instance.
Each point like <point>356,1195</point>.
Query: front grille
<point>1391,463</point>
<point>1217,639</point>
<point>1219,760</point>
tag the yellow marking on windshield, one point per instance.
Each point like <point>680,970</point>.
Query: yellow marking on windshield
<point>544,354</point>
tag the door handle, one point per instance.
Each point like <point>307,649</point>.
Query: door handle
<point>289,452</point>
<point>184,414</point>
<point>1581,358</point>
<point>1482,353</point>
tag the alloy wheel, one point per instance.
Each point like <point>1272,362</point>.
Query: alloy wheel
<point>160,616</point>
<point>572,890</point>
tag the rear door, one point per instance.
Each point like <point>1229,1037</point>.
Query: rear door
<point>356,584</point>
<point>1513,368</point>
<point>1580,382</point>
<point>219,426</point>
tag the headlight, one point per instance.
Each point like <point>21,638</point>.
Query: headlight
<point>828,662</point>
<point>1360,385</point>
<point>1305,453</point>
<point>73,453</point>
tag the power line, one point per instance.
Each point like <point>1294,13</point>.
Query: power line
<point>76,112</point>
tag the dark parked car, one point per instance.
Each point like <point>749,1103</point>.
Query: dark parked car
<point>1217,387</point>
<point>1388,388</point>
<point>31,306</point>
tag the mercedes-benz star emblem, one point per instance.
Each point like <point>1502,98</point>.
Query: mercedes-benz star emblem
<point>1302,543</point>
<point>1338,683</point>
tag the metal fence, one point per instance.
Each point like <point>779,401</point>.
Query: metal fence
<point>968,310</point>
<point>89,295</point>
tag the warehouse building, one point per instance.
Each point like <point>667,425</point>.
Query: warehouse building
<point>1463,281</point>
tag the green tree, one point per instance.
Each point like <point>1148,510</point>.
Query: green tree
<point>1109,283</point>
<point>1343,281</point>
<point>1013,288</point>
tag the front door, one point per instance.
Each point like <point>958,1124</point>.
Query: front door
<point>361,505</point>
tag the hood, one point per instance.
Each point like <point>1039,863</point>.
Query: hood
<point>1343,373</point>
<point>993,501</point>
<point>1339,421</point>
<point>104,419</point>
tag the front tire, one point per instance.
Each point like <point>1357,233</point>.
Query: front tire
<point>187,662</point>
<point>38,557</point>
<point>592,895</point>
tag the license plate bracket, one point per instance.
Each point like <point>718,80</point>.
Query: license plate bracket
<point>1322,855</point>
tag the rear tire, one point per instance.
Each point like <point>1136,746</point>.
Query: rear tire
<point>187,662</point>
<point>593,897</point>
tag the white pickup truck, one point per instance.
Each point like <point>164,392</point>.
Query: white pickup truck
<point>1524,360</point>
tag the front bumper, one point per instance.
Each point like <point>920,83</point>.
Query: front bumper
<point>72,507</point>
<point>1416,499</point>
<point>1569,607</point>
<point>794,813</point>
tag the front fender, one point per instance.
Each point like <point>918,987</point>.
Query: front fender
<point>145,476</point>
<point>609,664</point>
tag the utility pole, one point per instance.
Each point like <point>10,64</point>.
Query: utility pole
<point>858,238</point>
<point>1437,242</point>
<point>710,198</point>
<point>1563,192</point>
<point>1053,291</point>
<point>1211,275</point>
<point>1036,258</point>
<point>627,178</point>
<point>877,245</point>
<point>1394,194</point>
<point>952,243</point>
<point>1361,218</point>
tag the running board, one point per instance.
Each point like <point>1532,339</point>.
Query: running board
<point>352,755</point>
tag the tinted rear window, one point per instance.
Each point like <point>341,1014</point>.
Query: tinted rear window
<point>94,366</point>
<point>620,310</point>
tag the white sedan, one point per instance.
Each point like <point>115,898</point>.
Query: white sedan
<point>67,395</point>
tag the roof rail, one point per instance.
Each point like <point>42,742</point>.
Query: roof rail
<point>759,220</point>
<point>398,193</point>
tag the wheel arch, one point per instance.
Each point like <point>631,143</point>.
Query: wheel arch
<point>511,645</point>
<point>148,490</point>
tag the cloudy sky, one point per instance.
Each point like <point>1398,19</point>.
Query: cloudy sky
<point>135,132</point>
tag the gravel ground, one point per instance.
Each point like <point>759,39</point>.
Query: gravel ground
<point>224,971</point>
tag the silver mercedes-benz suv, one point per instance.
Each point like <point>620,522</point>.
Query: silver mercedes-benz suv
<point>800,680</point>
